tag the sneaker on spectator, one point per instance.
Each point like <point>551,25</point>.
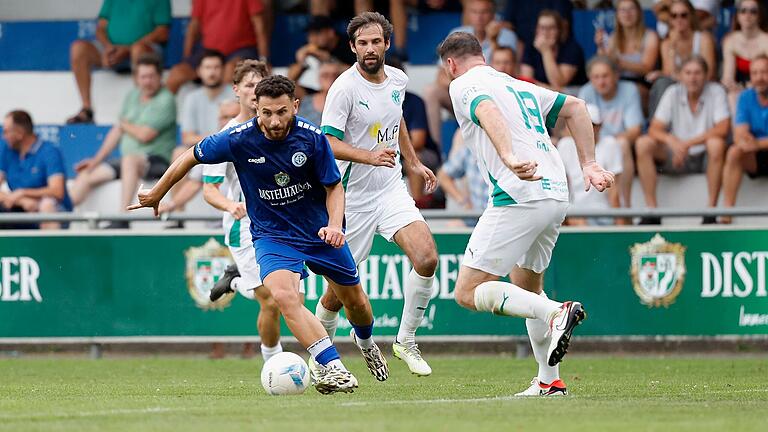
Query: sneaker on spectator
<point>85,116</point>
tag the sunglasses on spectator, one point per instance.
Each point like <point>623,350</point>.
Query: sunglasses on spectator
<point>679,15</point>
<point>752,11</point>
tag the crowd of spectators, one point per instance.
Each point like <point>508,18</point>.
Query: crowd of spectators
<point>670,100</point>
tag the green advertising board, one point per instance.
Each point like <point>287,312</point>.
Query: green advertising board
<point>632,283</point>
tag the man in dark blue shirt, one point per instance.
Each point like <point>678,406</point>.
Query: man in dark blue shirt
<point>34,170</point>
<point>295,201</point>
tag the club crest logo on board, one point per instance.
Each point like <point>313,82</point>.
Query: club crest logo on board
<point>205,264</point>
<point>658,271</point>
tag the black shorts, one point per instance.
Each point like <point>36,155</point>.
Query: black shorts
<point>156,167</point>
<point>762,165</point>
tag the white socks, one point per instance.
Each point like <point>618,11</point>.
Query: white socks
<point>329,319</point>
<point>502,298</point>
<point>538,332</point>
<point>247,292</point>
<point>267,352</point>
<point>417,292</point>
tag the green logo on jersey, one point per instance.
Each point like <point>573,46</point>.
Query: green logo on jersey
<point>396,97</point>
<point>365,104</point>
<point>282,178</point>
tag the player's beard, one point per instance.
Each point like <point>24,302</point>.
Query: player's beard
<point>279,134</point>
<point>371,70</point>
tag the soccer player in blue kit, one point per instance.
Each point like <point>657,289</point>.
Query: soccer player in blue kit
<point>295,201</point>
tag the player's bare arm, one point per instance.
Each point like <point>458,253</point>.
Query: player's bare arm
<point>344,151</point>
<point>493,122</point>
<point>412,159</point>
<point>576,116</point>
<point>213,196</point>
<point>334,202</point>
<point>178,169</point>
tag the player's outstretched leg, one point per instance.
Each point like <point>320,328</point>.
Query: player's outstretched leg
<point>327,311</point>
<point>332,376</point>
<point>226,284</point>
<point>416,241</point>
<point>268,323</point>
<point>359,313</point>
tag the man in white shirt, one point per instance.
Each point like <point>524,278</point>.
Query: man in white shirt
<point>505,121</point>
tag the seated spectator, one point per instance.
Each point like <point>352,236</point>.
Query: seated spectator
<point>491,34</point>
<point>323,44</point>
<point>553,59</point>
<point>236,28</point>
<point>683,40</point>
<point>311,107</point>
<point>415,117</point>
<point>519,14</point>
<point>632,46</point>
<point>472,193</point>
<point>503,59</point>
<point>145,133</point>
<point>621,115</point>
<point>608,155</point>
<point>704,12</point>
<point>691,122</point>
<point>34,171</point>
<point>126,29</point>
<point>747,40</point>
<point>749,151</point>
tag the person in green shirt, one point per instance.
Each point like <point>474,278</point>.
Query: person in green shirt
<point>126,29</point>
<point>145,132</point>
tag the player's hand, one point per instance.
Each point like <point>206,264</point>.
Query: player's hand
<point>237,210</point>
<point>430,181</point>
<point>385,157</point>
<point>332,235</point>
<point>595,175</point>
<point>524,170</point>
<point>147,198</point>
<point>85,165</point>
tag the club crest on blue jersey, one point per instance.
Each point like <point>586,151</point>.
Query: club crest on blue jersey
<point>282,179</point>
<point>299,159</point>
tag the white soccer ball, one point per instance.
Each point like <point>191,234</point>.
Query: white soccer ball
<point>285,374</point>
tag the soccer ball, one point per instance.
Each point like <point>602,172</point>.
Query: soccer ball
<point>285,374</point>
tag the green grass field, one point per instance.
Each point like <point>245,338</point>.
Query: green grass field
<point>464,394</point>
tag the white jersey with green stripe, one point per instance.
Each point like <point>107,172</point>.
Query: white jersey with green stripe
<point>366,116</point>
<point>529,110</point>
<point>237,232</point>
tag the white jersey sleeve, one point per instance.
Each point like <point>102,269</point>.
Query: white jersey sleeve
<point>336,111</point>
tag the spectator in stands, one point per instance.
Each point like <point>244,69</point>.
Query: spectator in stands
<point>632,46</point>
<point>472,193</point>
<point>415,117</point>
<point>705,12</point>
<point>747,40</point>
<point>683,40</point>
<point>34,171</point>
<point>749,151</point>
<point>145,132</point>
<point>323,44</point>
<point>692,121</point>
<point>503,59</point>
<point>553,59</point>
<point>621,114</point>
<point>520,12</point>
<point>608,155</point>
<point>311,107</point>
<point>236,28</point>
<point>126,29</point>
<point>482,23</point>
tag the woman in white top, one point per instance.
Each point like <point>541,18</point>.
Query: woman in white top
<point>685,39</point>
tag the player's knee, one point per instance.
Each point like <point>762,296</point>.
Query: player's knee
<point>426,264</point>
<point>284,297</point>
<point>464,296</point>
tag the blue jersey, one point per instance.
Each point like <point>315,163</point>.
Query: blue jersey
<point>283,181</point>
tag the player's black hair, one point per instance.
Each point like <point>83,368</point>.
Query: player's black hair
<point>275,86</point>
<point>21,119</point>
<point>458,45</point>
<point>150,59</point>
<point>212,53</point>
<point>369,18</point>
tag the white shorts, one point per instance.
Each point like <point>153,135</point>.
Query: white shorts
<point>250,276</point>
<point>396,210</point>
<point>521,234</point>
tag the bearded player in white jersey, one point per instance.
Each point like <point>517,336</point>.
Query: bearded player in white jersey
<point>505,121</point>
<point>221,189</point>
<point>363,120</point>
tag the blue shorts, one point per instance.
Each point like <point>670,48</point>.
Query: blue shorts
<point>337,264</point>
